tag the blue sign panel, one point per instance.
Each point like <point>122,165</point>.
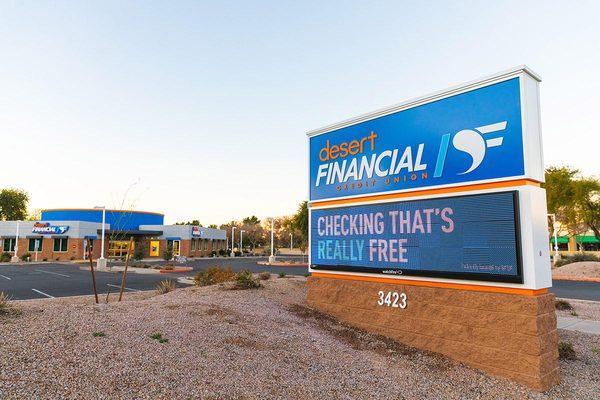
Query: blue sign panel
<point>473,136</point>
<point>465,237</point>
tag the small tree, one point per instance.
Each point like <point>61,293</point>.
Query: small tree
<point>13,204</point>
<point>168,253</point>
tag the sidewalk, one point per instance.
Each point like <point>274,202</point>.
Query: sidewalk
<point>580,325</point>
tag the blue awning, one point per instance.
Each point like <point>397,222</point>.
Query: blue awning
<point>91,237</point>
<point>173,238</point>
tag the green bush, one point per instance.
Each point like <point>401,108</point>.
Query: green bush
<point>245,280</point>
<point>281,274</point>
<point>577,257</point>
<point>26,257</point>
<point>566,351</point>
<point>5,257</point>
<point>99,334</point>
<point>168,254</point>
<point>213,276</point>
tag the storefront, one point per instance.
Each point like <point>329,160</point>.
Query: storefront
<point>69,234</point>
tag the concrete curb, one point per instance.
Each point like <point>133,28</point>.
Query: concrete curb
<point>117,269</point>
<point>579,325</point>
<point>574,278</point>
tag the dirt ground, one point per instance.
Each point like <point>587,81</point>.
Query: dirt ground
<point>583,269</point>
<point>217,343</point>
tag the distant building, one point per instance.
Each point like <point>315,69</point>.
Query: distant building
<point>67,234</point>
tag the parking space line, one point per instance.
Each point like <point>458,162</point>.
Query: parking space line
<point>119,287</point>
<point>5,277</point>
<point>42,293</point>
<point>53,273</point>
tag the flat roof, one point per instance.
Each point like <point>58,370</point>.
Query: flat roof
<point>100,209</point>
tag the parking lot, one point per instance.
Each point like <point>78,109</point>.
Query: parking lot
<point>49,280</point>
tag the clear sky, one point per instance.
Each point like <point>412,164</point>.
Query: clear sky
<point>200,109</point>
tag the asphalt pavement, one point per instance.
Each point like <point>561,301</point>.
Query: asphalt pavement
<point>45,280</point>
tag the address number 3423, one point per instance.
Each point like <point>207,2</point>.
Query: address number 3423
<point>392,299</point>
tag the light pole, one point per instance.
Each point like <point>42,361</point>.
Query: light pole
<point>241,235</point>
<point>555,233</point>
<point>232,241</point>
<point>291,241</point>
<point>272,256</point>
<point>102,261</point>
<point>15,257</point>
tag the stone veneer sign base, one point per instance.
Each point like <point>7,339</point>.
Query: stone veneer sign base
<point>508,335</point>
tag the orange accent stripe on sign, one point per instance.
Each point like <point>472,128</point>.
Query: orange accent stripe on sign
<point>446,285</point>
<point>454,189</point>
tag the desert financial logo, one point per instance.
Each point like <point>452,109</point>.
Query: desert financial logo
<point>196,231</point>
<point>394,163</point>
<point>47,229</point>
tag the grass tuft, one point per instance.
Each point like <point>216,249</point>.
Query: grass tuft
<point>99,334</point>
<point>165,286</point>
<point>7,307</point>
<point>158,336</point>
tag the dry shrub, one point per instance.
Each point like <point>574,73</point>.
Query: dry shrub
<point>165,286</point>
<point>562,305</point>
<point>6,306</point>
<point>213,276</point>
<point>264,276</point>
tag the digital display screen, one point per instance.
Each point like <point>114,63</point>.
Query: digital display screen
<point>464,237</point>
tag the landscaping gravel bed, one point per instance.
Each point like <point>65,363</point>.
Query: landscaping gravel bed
<point>220,343</point>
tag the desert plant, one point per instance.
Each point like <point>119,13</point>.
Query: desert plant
<point>26,257</point>
<point>577,257</point>
<point>165,286</point>
<point>138,252</point>
<point>158,336</point>
<point>168,254</point>
<point>245,280</point>
<point>566,351</point>
<point>264,276</point>
<point>5,257</point>
<point>6,306</point>
<point>281,274</point>
<point>213,276</point>
<point>562,305</point>
<point>99,334</point>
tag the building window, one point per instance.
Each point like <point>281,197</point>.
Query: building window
<point>193,244</point>
<point>35,245</point>
<point>60,245</point>
<point>119,248</point>
<point>9,244</point>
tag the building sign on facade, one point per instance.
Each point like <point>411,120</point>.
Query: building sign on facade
<point>45,228</point>
<point>464,237</point>
<point>196,231</point>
